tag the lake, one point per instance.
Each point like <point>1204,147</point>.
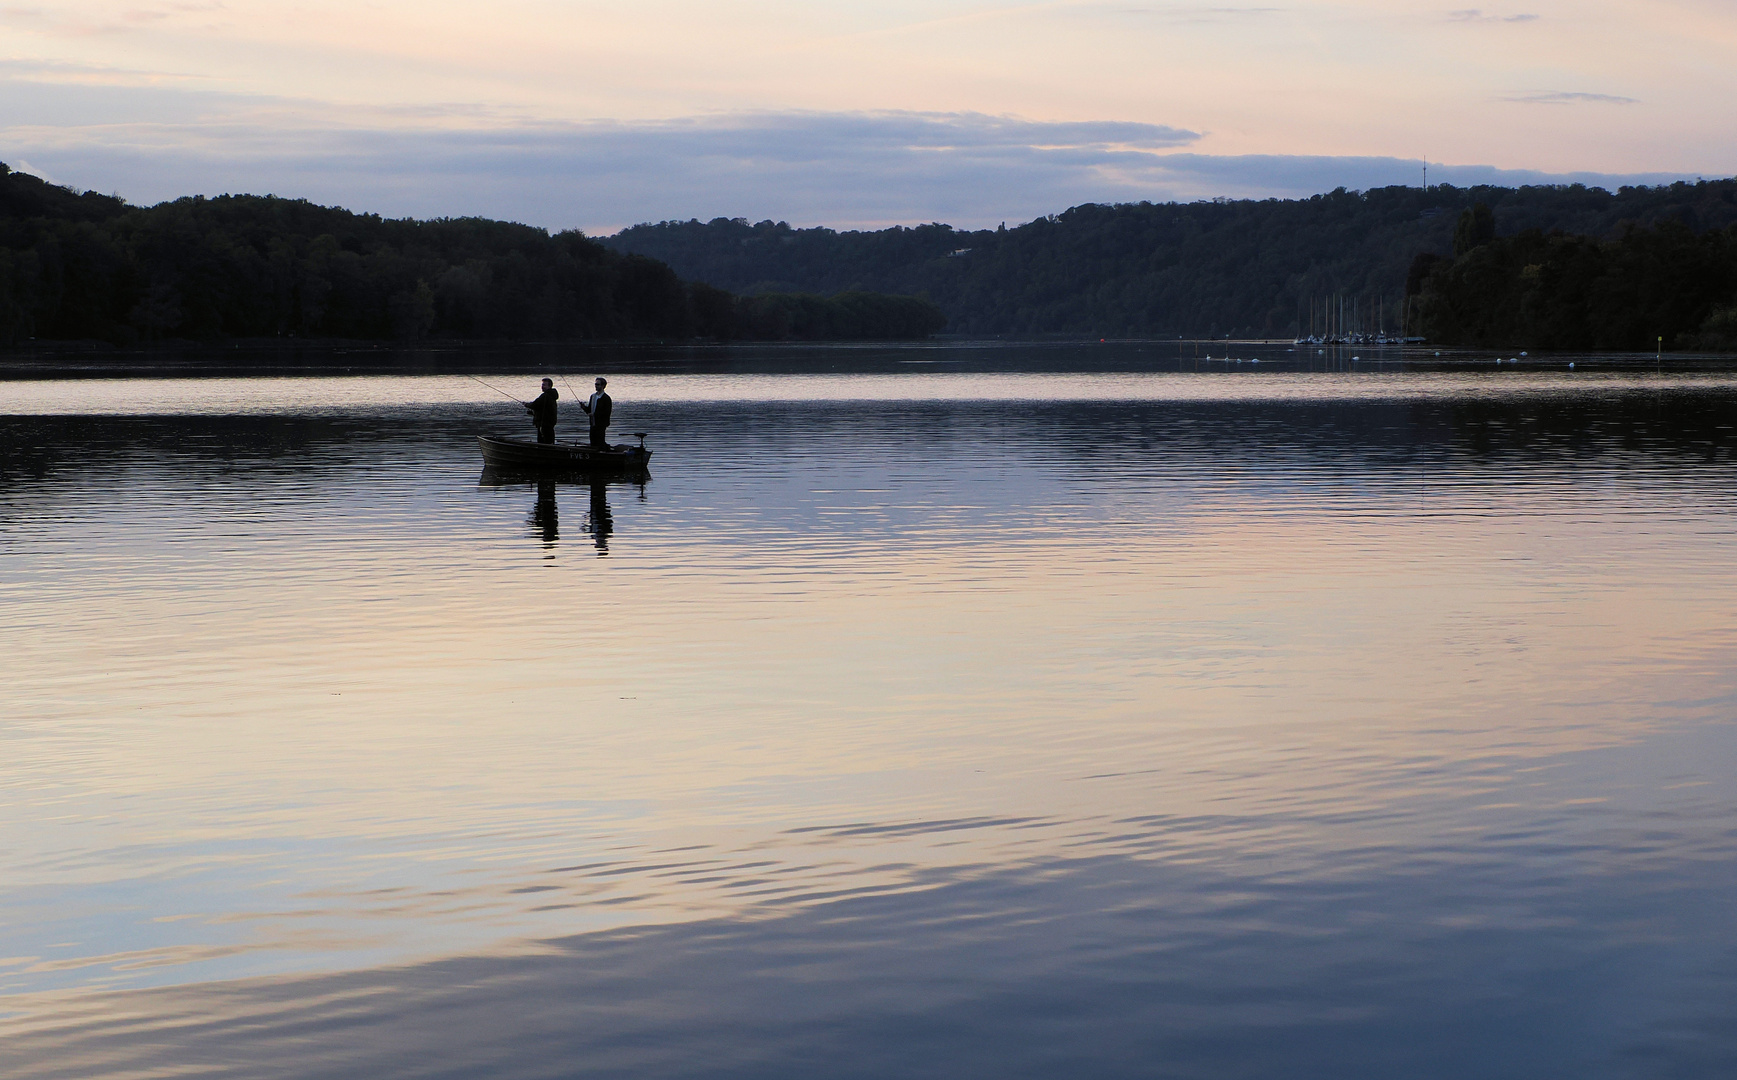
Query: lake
<point>1015,713</point>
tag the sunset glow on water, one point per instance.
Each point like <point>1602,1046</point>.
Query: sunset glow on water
<point>1110,724</point>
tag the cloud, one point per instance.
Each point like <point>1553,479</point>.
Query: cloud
<point>1294,176</point>
<point>17,70</point>
<point>76,22</point>
<point>964,133</point>
<point>844,169</point>
<point>1557,97</point>
<point>1473,15</point>
<point>20,165</point>
<point>1200,14</point>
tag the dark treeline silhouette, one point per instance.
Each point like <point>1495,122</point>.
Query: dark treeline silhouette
<point>1243,267</point>
<point>88,266</point>
<point>1558,290</point>
<point>846,315</point>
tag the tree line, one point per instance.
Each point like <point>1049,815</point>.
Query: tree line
<point>1666,286</point>
<point>1248,267</point>
<point>1544,266</point>
<point>88,266</point>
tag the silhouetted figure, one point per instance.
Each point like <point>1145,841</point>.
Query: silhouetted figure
<point>546,516</point>
<point>598,409</point>
<point>542,412</point>
<point>602,522</point>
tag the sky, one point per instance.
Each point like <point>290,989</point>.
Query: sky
<point>592,115</point>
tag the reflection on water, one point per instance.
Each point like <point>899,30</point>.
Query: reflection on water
<point>546,516</point>
<point>544,520</point>
<point>600,523</point>
<point>1107,724</point>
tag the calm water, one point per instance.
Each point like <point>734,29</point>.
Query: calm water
<point>1190,724</point>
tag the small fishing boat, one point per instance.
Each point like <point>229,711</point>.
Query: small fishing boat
<point>507,454</point>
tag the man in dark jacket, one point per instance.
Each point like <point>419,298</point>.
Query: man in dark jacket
<point>542,412</point>
<point>598,408</point>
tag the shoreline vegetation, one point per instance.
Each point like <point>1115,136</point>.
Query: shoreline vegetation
<point>1272,268</point>
<point>1564,267</point>
<point>90,267</point>
<point>1667,287</point>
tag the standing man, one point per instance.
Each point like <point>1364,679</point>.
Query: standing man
<point>542,412</point>
<point>598,409</point>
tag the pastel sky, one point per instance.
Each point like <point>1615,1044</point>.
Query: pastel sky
<point>577,113</point>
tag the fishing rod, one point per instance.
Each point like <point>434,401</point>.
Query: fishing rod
<point>496,389</point>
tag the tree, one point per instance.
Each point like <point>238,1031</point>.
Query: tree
<point>1477,226</point>
<point>88,266</point>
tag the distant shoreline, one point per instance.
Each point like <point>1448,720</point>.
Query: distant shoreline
<point>72,361</point>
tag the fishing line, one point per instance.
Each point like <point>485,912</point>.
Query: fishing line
<point>496,389</point>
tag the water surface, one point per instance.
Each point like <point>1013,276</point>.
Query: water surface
<point>1182,723</point>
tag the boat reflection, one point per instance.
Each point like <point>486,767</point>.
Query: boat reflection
<point>544,519</point>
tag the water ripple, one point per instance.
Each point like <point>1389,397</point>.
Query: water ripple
<point>1324,724</point>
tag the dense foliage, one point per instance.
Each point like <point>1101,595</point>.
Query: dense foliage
<point>89,266</point>
<point>1561,291</point>
<point>844,316</point>
<point>1537,266</point>
<point>1224,267</point>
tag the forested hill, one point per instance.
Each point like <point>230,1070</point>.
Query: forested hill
<point>1666,285</point>
<point>88,266</point>
<point>1242,267</point>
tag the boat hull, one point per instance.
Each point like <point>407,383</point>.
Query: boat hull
<point>526,455</point>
